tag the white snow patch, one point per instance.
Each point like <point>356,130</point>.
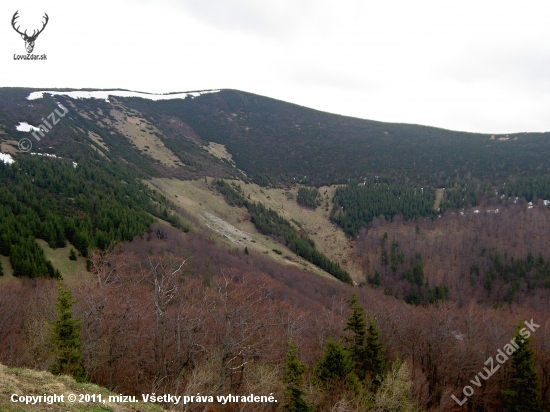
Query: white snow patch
<point>45,155</point>
<point>546,202</point>
<point>476,211</point>
<point>6,158</point>
<point>25,127</point>
<point>104,94</point>
<point>457,335</point>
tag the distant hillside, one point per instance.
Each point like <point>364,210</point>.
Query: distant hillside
<point>276,141</point>
<point>271,141</point>
<point>444,235</point>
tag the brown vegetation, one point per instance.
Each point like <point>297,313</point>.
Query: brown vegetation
<point>450,246</point>
<point>176,313</point>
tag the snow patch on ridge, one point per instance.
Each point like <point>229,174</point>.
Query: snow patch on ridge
<point>104,94</point>
<point>6,158</point>
<point>25,127</point>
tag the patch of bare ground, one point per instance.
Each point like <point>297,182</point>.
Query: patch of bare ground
<point>143,135</point>
<point>80,112</point>
<point>8,270</point>
<point>98,140</point>
<point>438,197</point>
<point>230,224</point>
<point>218,150</point>
<point>9,146</point>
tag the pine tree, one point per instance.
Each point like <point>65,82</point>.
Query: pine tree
<point>293,379</point>
<point>375,353</point>
<point>1,269</point>
<point>335,371</point>
<point>66,338</point>
<point>72,254</point>
<point>357,325</point>
<point>522,390</point>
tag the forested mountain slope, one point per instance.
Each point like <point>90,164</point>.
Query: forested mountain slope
<point>443,236</point>
<point>276,141</point>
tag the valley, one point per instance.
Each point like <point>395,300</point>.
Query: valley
<point>203,234</point>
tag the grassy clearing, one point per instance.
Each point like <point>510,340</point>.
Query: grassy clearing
<point>8,271</point>
<point>197,197</point>
<point>98,140</point>
<point>29,382</point>
<point>218,150</point>
<point>71,270</point>
<point>328,237</point>
<point>438,197</point>
<point>142,134</point>
<point>9,146</point>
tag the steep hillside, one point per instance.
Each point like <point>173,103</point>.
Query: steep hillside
<point>196,235</point>
<point>233,223</point>
<point>275,141</point>
<point>26,382</point>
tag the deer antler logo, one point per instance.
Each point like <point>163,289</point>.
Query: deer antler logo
<point>29,40</point>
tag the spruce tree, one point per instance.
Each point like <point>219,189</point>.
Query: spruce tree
<point>335,371</point>
<point>374,353</point>
<point>1,269</point>
<point>522,390</point>
<point>355,344</point>
<point>66,338</point>
<point>293,380</point>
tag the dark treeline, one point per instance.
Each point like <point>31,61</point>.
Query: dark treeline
<point>355,205</point>
<point>88,205</point>
<point>308,197</point>
<point>269,222</point>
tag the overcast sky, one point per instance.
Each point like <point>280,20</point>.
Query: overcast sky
<point>480,66</point>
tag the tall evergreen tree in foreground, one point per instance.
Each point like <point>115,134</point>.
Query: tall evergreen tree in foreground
<point>66,338</point>
<point>293,379</point>
<point>335,371</point>
<point>355,344</point>
<point>522,391</point>
<point>375,353</point>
